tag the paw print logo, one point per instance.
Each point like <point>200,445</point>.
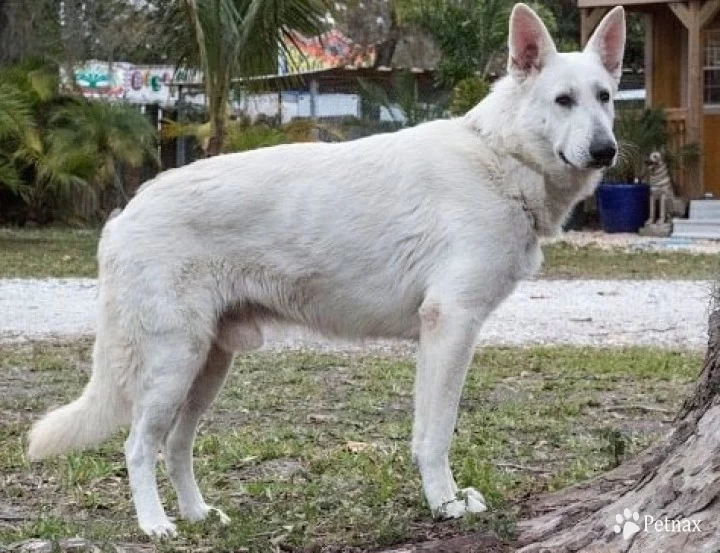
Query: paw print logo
<point>627,524</point>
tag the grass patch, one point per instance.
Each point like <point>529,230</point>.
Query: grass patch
<point>312,450</point>
<point>63,253</point>
<point>568,261</point>
<point>48,252</point>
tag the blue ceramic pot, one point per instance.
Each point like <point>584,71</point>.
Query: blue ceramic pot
<point>623,207</point>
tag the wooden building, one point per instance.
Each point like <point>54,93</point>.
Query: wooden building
<point>682,67</point>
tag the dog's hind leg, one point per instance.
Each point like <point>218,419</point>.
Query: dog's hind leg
<point>170,363</point>
<point>179,443</point>
<point>447,338</point>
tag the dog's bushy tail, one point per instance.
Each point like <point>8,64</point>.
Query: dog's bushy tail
<point>88,420</point>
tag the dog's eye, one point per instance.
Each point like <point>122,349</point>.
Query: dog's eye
<point>564,100</point>
<point>603,96</point>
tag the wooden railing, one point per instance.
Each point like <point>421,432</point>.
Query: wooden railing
<point>677,139</point>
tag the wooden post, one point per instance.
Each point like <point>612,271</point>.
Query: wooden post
<point>690,14</point>
<point>589,19</point>
<point>708,12</point>
<point>695,94</point>
<point>314,92</point>
<point>649,57</point>
<point>159,134</point>
<point>180,158</point>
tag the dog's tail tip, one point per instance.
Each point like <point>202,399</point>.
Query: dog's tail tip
<point>61,430</point>
<point>78,425</point>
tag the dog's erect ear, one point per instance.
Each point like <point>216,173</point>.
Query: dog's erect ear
<point>529,43</point>
<point>608,41</point>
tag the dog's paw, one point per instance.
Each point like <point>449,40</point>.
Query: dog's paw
<point>202,512</point>
<point>469,500</point>
<point>474,499</point>
<point>160,529</point>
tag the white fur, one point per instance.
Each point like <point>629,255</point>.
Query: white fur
<point>416,234</point>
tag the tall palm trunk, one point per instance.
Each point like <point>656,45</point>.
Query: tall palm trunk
<point>217,107</point>
<point>215,142</point>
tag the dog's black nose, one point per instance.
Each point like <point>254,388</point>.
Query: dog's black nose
<point>602,153</point>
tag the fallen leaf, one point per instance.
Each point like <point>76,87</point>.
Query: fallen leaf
<point>357,447</point>
<point>318,417</point>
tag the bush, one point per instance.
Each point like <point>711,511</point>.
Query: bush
<point>640,132</point>
<point>467,94</point>
<point>54,145</point>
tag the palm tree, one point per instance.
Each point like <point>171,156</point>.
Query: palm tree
<point>27,97</point>
<point>52,145</point>
<point>230,39</point>
<point>94,140</point>
<point>24,90</point>
<point>15,123</point>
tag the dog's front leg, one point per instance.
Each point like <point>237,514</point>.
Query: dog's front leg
<point>447,339</point>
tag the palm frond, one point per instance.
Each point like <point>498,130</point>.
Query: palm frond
<point>175,129</point>
<point>91,140</point>
<point>15,112</point>
<point>267,30</point>
<point>44,82</point>
<point>35,79</point>
<point>10,178</point>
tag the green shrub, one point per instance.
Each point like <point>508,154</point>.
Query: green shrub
<point>467,94</point>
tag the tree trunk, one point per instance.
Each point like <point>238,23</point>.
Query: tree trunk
<point>678,479</point>
<point>386,49</point>
<point>217,136</point>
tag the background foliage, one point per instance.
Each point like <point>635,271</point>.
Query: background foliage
<point>54,146</point>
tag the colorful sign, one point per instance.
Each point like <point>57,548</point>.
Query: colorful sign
<point>149,84</point>
<point>137,84</point>
<point>327,51</point>
<point>97,79</point>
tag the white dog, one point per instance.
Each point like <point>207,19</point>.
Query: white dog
<point>415,234</point>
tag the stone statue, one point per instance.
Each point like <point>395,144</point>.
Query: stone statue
<point>664,204</point>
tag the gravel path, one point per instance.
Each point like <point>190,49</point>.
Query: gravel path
<point>635,242</point>
<point>592,312</point>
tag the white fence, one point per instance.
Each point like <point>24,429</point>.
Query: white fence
<point>290,105</point>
